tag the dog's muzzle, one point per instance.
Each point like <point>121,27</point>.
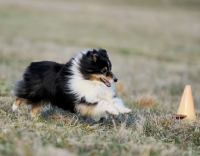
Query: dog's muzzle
<point>113,76</point>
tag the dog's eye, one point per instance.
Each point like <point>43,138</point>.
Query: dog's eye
<point>104,70</point>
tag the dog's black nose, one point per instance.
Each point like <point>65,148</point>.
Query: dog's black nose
<point>115,79</point>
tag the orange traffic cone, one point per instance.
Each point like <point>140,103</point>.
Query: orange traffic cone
<point>186,106</point>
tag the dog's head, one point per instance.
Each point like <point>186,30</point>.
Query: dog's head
<point>96,66</point>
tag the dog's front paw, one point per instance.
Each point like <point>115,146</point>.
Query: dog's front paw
<point>125,110</point>
<point>112,110</point>
<point>107,107</point>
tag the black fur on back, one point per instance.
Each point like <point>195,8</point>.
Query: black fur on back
<point>46,81</point>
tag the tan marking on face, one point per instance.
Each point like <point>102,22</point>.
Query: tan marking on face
<point>85,109</point>
<point>96,77</point>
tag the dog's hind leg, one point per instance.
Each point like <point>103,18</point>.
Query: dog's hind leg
<point>35,110</point>
<point>96,111</point>
<point>17,103</point>
<point>37,107</point>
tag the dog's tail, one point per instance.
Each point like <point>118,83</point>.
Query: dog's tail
<point>20,89</point>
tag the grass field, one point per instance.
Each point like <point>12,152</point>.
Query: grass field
<point>154,47</point>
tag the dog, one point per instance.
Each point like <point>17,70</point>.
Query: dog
<point>84,85</point>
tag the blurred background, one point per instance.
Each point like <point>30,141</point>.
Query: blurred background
<point>154,45</point>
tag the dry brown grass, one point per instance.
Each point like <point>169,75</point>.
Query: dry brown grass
<point>146,101</point>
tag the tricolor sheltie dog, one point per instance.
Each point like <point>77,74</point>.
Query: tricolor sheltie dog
<point>84,85</point>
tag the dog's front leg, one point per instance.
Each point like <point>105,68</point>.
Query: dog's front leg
<point>119,105</point>
<point>97,110</point>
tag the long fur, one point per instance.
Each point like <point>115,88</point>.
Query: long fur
<point>84,85</point>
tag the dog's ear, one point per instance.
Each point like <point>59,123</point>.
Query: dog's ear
<point>103,53</point>
<point>93,55</point>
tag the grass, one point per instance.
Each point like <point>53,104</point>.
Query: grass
<point>154,48</point>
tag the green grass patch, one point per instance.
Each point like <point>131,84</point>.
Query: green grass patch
<point>5,89</point>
